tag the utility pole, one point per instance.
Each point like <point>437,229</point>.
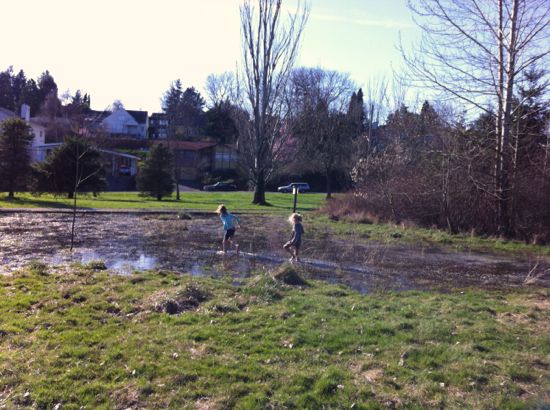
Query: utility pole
<point>295,192</point>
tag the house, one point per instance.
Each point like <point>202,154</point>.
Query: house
<point>123,122</point>
<point>158,126</point>
<point>38,130</point>
<point>119,164</point>
<point>225,158</point>
<point>118,123</point>
<point>193,159</point>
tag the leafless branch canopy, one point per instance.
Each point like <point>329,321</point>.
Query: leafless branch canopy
<point>469,46</point>
<point>220,88</point>
<point>270,45</point>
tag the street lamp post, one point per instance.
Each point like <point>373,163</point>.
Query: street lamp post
<point>295,192</point>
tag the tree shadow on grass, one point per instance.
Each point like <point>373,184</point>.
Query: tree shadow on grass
<point>266,204</point>
<point>141,199</point>
<point>35,203</point>
<point>121,200</point>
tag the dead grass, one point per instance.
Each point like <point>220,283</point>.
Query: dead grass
<point>209,403</point>
<point>127,397</point>
<point>197,351</point>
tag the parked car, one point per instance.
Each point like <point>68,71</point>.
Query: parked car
<point>302,187</point>
<point>220,186</point>
<point>124,171</point>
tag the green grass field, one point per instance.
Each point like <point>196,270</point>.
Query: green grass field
<point>82,337</point>
<point>241,201</point>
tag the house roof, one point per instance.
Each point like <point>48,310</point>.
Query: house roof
<point>159,115</point>
<point>7,112</point>
<point>105,151</point>
<point>188,145</point>
<point>96,117</point>
<point>118,154</point>
<point>99,116</point>
<point>139,116</point>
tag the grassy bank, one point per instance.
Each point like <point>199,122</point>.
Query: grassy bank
<point>84,337</point>
<point>394,234</point>
<point>188,200</point>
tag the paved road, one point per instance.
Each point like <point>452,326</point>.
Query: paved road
<point>185,188</point>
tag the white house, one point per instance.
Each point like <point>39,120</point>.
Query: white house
<point>38,130</point>
<point>126,122</point>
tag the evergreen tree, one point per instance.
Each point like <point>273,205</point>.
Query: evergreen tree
<point>220,123</point>
<point>430,121</point>
<point>192,105</point>
<point>155,177</point>
<point>18,85</point>
<point>73,167</point>
<point>184,110</point>
<point>171,106</point>
<point>79,105</point>
<point>51,106</point>
<point>6,90</point>
<point>356,113</point>
<point>15,140</point>
<point>46,85</point>
<point>31,95</point>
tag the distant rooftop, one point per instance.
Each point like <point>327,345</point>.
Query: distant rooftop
<point>139,116</point>
<point>188,145</point>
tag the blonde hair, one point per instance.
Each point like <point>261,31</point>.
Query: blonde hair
<point>295,217</point>
<point>221,209</point>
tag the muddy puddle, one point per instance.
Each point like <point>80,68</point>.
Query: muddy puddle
<point>134,242</point>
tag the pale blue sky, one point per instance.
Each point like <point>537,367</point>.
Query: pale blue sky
<point>131,50</point>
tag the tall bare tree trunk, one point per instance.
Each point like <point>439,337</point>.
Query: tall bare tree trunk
<point>504,221</point>
<point>177,177</point>
<point>259,189</point>
<point>499,119</point>
<point>75,190</point>
<point>270,47</point>
<point>328,183</point>
<point>445,197</point>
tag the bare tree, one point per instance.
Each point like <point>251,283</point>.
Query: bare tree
<point>270,46</point>
<point>318,102</point>
<point>310,85</point>
<point>220,88</point>
<point>476,51</point>
<point>81,175</point>
<point>376,102</point>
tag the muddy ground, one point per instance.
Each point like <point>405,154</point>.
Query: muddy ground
<point>129,242</point>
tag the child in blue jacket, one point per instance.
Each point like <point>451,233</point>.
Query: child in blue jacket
<point>230,223</point>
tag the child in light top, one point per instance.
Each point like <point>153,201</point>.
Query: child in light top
<point>293,245</point>
<point>230,222</point>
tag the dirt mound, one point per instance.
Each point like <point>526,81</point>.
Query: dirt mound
<point>289,275</point>
<point>187,299</point>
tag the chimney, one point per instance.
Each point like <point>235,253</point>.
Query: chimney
<point>26,112</point>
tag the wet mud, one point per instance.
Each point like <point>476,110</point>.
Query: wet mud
<point>134,242</point>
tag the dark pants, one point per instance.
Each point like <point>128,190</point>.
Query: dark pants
<point>228,234</point>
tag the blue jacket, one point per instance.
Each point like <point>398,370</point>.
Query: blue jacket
<point>229,221</point>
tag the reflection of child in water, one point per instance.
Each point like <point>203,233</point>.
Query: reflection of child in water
<point>293,245</point>
<point>228,227</point>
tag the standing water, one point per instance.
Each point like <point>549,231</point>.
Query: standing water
<point>134,242</point>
